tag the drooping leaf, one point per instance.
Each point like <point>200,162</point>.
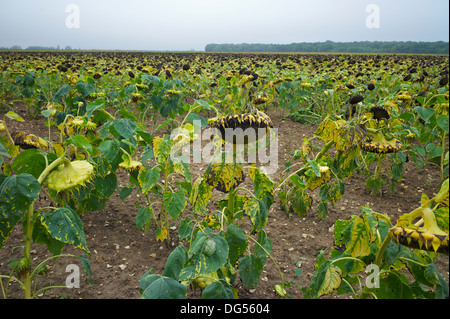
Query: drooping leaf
<point>64,225</point>
<point>161,149</point>
<point>148,178</point>
<point>327,128</point>
<point>175,262</point>
<point>85,89</point>
<point>218,290</point>
<point>110,148</point>
<point>359,234</point>
<point>42,236</point>
<point>393,286</point>
<point>250,270</point>
<point>424,112</point>
<point>200,263</point>
<point>200,196</point>
<point>17,192</point>
<point>329,278</point>
<point>161,233</point>
<point>237,241</point>
<point>14,116</point>
<point>336,191</point>
<point>301,202</point>
<point>144,217</point>
<point>94,106</point>
<point>263,185</point>
<point>82,142</point>
<point>258,213</point>
<point>154,286</point>
<point>264,245</point>
<point>175,203</point>
<point>225,176</point>
<point>61,92</point>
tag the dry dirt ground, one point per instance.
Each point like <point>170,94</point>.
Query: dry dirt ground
<point>121,254</point>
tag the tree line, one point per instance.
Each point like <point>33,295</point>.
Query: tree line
<point>439,47</point>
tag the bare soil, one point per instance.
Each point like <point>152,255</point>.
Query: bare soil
<point>121,253</point>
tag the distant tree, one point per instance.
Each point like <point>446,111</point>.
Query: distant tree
<point>439,47</point>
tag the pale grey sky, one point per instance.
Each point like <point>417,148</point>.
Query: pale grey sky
<point>191,24</point>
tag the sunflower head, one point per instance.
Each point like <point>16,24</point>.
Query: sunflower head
<point>81,123</point>
<point>256,120</point>
<point>379,144</point>
<point>404,96</point>
<point>355,99</point>
<point>70,176</point>
<point>131,165</point>
<point>27,141</point>
<point>317,181</point>
<point>379,113</point>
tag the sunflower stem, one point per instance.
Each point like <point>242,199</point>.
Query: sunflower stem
<point>443,156</point>
<point>230,209</point>
<point>378,262</point>
<point>29,226</point>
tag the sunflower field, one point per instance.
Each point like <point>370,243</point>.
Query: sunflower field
<point>120,167</point>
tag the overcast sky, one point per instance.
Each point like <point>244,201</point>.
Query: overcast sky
<point>191,24</point>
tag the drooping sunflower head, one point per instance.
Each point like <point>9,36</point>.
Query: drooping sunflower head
<point>228,126</point>
<point>380,145</point>
<point>27,141</point>
<point>260,100</point>
<point>404,96</point>
<point>82,123</point>
<point>131,166</point>
<point>355,99</point>
<point>317,181</point>
<point>70,175</point>
<point>379,113</point>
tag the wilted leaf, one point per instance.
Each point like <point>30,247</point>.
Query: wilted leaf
<point>358,236</point>
<point>258,212</point>
<point>200,195</point>
<point>225,176</point>
<point>329,278</point>
<point>161,149</point>
<point>250,270</point>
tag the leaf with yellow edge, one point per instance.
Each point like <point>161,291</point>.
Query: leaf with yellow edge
<point>442,196</point>
<point>329,278</point>
<point>225,176</point>
<point>327,128</point>
<point>14,116</point>
<point>358,236</point>
<point>161,149</point>
<point>200,195</point>
<point>305,149</point>
<point>161,233</point>
<point>258,213</point>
